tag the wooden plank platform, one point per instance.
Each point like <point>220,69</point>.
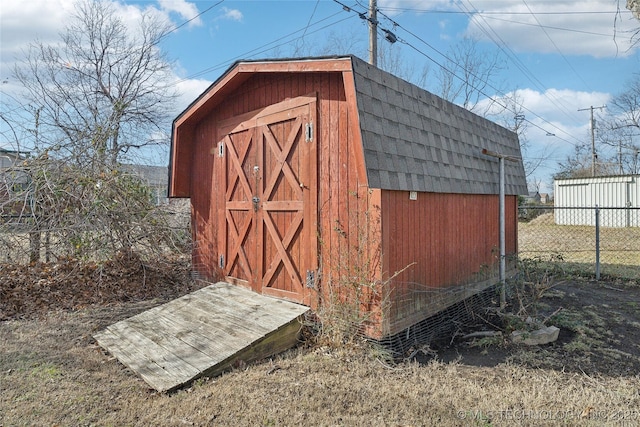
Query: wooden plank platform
<point>202,333</point>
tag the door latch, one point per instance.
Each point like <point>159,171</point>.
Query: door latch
<point>256,203</point>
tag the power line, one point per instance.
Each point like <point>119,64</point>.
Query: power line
<point>504,47</point>
<point>310,18</point>
<point>556,46</point>
<point>373,28</point>
<point>263,48</point>
<point>176,28</point>
<point>571,30</point>
<point>493,99</point>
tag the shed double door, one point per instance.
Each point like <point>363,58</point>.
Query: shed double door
<point>269,242</point>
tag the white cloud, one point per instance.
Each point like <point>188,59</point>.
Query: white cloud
<point>553,27</point>
<point>183,8</point>
<point>554,100</point>
<point>188,91</point>
<point>23,22</point>
<point>572,27</point>
<point>231,14</point>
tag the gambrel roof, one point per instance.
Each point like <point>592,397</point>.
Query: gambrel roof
<point>411,139</point>
<point>415,140</point>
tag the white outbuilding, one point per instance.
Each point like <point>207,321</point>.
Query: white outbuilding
<point>618,196</point>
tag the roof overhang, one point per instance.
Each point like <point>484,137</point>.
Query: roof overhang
<point>240,71</point>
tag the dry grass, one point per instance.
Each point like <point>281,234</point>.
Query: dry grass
<point>619,247</point>
<point>52,373</point>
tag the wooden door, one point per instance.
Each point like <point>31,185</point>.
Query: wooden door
<point>237,257</point>
<point>270,215</point>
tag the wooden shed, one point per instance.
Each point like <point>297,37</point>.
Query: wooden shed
<point>327,179</point>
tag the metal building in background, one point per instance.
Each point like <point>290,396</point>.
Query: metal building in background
<point>572,196</point>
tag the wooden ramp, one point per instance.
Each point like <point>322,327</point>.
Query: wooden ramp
<point>202,333</point>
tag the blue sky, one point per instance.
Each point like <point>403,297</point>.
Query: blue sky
<point>560,55</point>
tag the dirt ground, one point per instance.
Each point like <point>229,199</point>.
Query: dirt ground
<point>52,373</point>
<point>599,325</point>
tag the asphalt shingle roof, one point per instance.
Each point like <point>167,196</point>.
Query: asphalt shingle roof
<point>416,141</point>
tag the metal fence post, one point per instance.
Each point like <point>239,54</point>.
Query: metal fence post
<point>501,226</point>
<point>597,243</point>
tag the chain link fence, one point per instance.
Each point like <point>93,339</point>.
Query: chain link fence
<point>587,239</point>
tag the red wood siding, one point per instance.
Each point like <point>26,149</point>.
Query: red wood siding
<point>204,208</point>
<point>181,156</point>
<point>453,239</point>
<point>361,232</point>
<point>339,183</point>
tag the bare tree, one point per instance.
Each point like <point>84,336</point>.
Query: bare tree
<point>390,59</point>
<point>626,105</point>
<point>103,91</point>
<point>467,73</point>
<point>512,116</point>
<point>97,97</point>
<point>625,142</point>
<point>335,43</point>
<point>634,7</point>
<point>576,165</point>
<point>622,129</point>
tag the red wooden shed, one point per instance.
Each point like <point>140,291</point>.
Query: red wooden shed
<point>311,176</point>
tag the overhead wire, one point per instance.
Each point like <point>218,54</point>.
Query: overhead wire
<point>551,27</point>
<point>310,18</point>
<point>177,27</point>
<point>506,49</point>
<point>492,98</point>
<point>556,46</point>
<point>265,47</point>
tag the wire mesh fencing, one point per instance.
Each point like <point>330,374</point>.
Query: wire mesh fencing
<point>27,238</point>
<point>595,240</point>
<point>461,311</point>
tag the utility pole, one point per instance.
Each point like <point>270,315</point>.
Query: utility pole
<point>620,157</point>
<point>592,126</point>
<point>372,19</point>
<point>373,32</point>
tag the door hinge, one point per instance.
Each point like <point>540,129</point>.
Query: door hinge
<point>221,262</point>
<point>311,279</point>
<point>221,149</point>
<point>308,132</point>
